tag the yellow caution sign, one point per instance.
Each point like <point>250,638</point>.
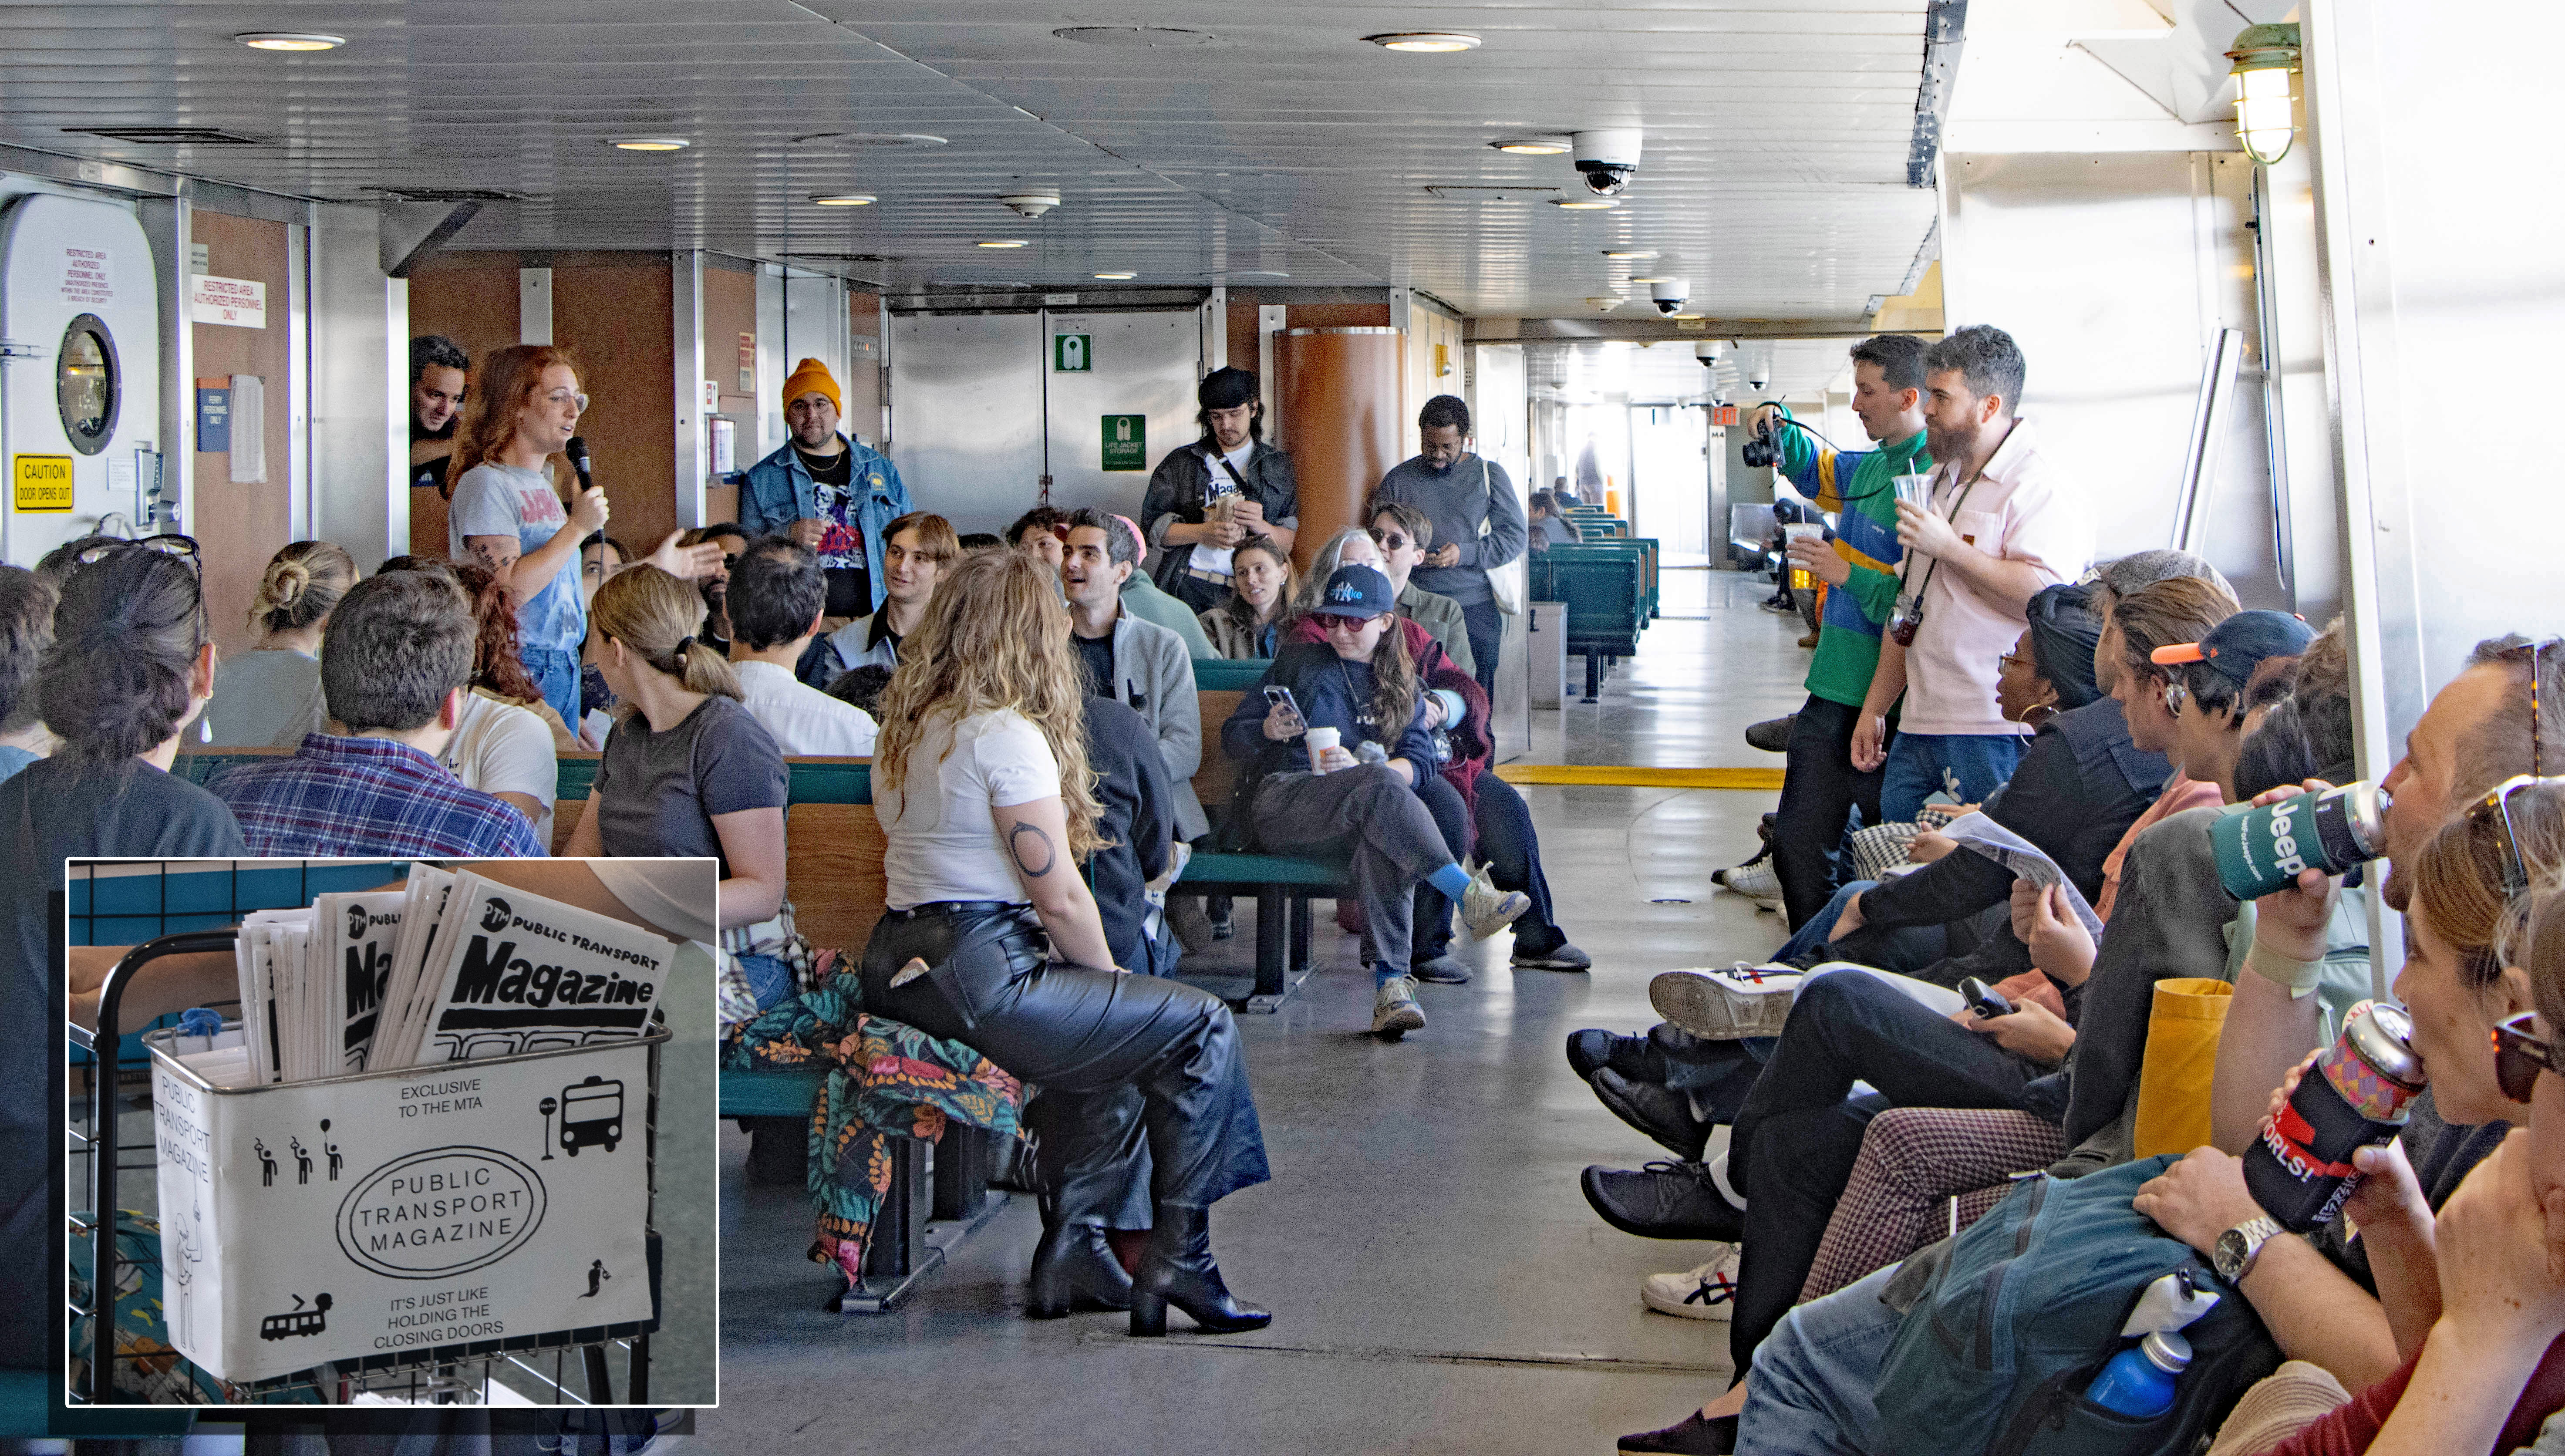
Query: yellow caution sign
<point>41,482</point>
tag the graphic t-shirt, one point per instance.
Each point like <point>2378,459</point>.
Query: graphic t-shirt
<point>841,539</point>
<point>502,500</point>
<point>1219,560</point>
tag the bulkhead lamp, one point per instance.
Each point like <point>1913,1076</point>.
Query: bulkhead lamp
<point>2266,61</point>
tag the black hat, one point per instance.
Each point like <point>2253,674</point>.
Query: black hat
<point>2238,645</point>
<point>2063,630</point>
<point>1357,590</point>
<point>1227,389</point>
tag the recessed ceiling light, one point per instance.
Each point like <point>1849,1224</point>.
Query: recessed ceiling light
<point>1117,275</point>
<point>999,243</point>
<point>1533,145</point>
<point>1647,279</point>
<point>1685,317</point>
<point>1586,205</point>
<point>867,139</point>
<point>843,199</point>
<point>285,40</point>
<point>1629,252</point>
<point>1426,42</point>
<point>1142,36</point>
<point>648,144</point>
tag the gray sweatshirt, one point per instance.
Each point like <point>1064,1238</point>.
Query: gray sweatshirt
<point>1474,490</point>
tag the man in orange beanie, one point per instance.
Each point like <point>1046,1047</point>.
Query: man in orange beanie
<point>831,493</point>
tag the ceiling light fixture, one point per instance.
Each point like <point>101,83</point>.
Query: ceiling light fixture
<point>1533,145</point>
<point>2266,60</point>
<point>1117,275</point>
<point>1647,279</point>
<point>1426,42</point>
<point>1149,37</point>
<point>287,39</point>
<point>1586,205</point>
<point>648,144</point>
<point>843,199</point>
<point>1034,203</point>
<point>999,243</point>
<point>1629,252</point>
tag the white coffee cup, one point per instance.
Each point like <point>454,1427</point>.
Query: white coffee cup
<point>1320,740</point>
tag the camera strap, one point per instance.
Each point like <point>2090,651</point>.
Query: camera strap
<point>1908,565</point>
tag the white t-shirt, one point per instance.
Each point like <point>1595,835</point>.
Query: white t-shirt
<point>802,719</point>
<point>2022,509</point>
<point>501,748</point>
<point>1222,560</point>
<point>943,844</point>
<point>674,895</point>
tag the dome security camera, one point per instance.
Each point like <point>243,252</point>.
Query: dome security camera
<point>1761,378</point>
<point>1607,158</point>
<point>1710,353</point>
<point>1669,294</point>
<point>1032,204</point>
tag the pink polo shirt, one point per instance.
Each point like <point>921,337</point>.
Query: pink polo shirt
<point>2021,509</point>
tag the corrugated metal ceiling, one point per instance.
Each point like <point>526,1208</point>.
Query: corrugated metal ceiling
<point>1773,177</point>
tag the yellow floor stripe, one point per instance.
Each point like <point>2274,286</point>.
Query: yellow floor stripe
<point>1630,776</point>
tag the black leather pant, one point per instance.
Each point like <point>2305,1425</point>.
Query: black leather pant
<point>1138,1065</point>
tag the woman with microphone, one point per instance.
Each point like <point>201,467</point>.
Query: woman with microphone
<point>509,516</point>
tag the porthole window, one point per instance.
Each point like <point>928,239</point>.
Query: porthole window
<point>88,387</point>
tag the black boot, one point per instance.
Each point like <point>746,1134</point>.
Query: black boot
<point>1178,1270</point>
<point>1074,1263</point>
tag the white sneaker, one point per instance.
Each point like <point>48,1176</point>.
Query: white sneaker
<point>1486,910</point>
<point>1754,880</point>
<point>1705,1293</point>
<point>1723,1005</point>
<point>1394,1011</point>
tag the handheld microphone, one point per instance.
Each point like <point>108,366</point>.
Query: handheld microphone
<point>577,452</point>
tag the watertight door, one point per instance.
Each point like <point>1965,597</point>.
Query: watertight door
<point>79,392</point>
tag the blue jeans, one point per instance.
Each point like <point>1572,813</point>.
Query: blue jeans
<point>555,671</point>
<point>1810,1391</point>
<point>1967,766</point>
<point>770,980</point>
<point>1813,932</point>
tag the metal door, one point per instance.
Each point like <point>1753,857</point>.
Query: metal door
<point>1143,365</point>
<point>80,372</point>
<point>966,414</point>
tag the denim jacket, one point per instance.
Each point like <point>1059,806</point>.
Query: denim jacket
<point>779,491</point>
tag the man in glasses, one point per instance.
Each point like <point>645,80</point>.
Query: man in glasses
<point>831,493</point>
<point>1405,536</point>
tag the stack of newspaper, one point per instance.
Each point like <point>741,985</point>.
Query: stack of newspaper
<point>448,968</point>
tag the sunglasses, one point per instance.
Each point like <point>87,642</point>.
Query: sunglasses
<point>1389,540</point>
<point>2518,1058</point>
<point>2516,873</point>
<point>183,547</point>
<point>1345,625</point>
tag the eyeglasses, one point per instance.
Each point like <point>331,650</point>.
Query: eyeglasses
<point>2515,871</point>
<point>2015,659</point>
<point>1389,540</point>
<point>2518,1058</point>
<point>577,403</point>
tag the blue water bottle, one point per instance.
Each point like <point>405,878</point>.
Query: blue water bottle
<point>2139,1380</point>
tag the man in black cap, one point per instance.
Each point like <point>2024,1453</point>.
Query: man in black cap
<point>1209,496</point>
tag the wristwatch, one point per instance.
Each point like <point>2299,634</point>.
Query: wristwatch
<point>2239,1247</point>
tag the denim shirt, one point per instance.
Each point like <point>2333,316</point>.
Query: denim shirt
<point>777,491</point>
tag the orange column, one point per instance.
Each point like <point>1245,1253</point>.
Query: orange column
<point>1339,391</point>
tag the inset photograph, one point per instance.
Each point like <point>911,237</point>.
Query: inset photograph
<point>384,1132</point>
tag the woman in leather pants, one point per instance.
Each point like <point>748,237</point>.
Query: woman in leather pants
<point>980,782</point>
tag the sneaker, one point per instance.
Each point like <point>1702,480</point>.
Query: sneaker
<point>1394,1011</point>
<point>1754,880</point>
<point>1659,1112</point>
<point>1486,910</point>
<point>1559,957</point>
<point>1772,735</point>
<point>1441,970</point>
<point>1694,1435</point>
<point>1664,1201</point>
<point>1193,929</point>
<point>1779,607</point>
<point>1706,1292</point>
<point>1723,1005</point>
<point>1636,1058</point>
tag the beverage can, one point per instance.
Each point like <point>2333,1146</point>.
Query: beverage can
<point>2356,1095</point>
<point>2261,850</point>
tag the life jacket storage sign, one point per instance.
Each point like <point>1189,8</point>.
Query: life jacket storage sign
<point>435,1210</point>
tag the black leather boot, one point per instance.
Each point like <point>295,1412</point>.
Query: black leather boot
<point>1178,1270</point>
<point>1074,1263</point>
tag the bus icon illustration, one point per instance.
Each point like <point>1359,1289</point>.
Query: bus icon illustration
<point>592,1115</point>
<point>299,1322</point>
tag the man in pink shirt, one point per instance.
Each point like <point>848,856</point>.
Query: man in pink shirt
<point>2002,523</point>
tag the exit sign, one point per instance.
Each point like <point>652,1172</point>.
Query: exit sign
<point>1126,441</point>
<point>1073,353</point>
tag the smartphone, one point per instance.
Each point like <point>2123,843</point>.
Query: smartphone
<point>1279,696</point>
<point>1982,1000</point>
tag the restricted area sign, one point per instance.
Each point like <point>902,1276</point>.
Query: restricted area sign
<point>1073,353</point>
<point>43,482</point>
<point>1126,441</point>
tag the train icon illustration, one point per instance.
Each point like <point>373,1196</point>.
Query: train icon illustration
<point>592,1115</point>
<point>298,1321</point>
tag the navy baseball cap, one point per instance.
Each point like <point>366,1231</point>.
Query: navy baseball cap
<point>1358,591</point>
<point>2238,645</point>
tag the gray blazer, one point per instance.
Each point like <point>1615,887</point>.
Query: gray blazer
<point>1153,675</point>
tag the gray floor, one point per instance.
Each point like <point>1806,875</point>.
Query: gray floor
<point>1437,1281</point>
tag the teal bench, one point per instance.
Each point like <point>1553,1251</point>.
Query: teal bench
<point>1604,586</point>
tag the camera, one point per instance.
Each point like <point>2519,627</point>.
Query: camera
<point>1710,353</point>
<point>1607,158</point>
<point>1761,378</point>
<point>1764,451</point>
<point>1669,294</point>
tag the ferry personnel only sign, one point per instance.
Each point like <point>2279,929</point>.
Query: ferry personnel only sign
<point>387,1214</point>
